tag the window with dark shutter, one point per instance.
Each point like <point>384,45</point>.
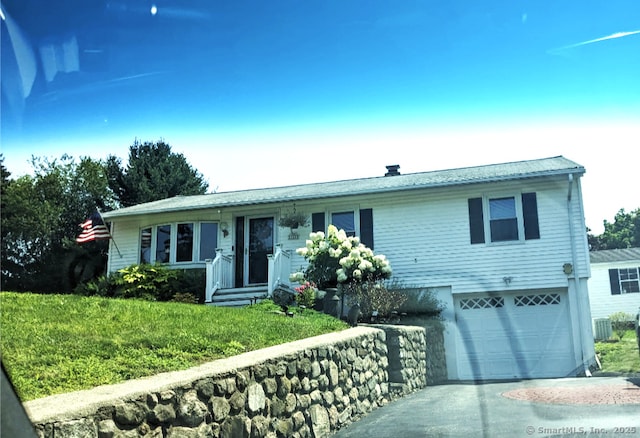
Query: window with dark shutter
<point>366,227</point>
<point>476,220</point>
<point>629,280</point>
<point>614,280</point>
<point>530,214</point>
<point>345,220</point>
<point>503,219</point>
<point>317,222</point>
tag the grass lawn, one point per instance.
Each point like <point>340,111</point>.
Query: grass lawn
<point>59,343</point>
<point>620,356</point>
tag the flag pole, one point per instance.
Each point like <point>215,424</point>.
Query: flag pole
<point>109,231</point>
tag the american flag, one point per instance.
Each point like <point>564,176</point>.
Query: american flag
<point>93,229</point>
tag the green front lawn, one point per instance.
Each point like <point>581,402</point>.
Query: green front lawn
<point>619,356</point>
<point>60,343</point>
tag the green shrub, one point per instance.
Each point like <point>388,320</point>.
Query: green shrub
<point>103,286</point>
<point>184,297</point>
<point>621,322</point>
<point>373,296</point>
<point>191,281</point>
<point>420,301</point>
<point>146,281</point>
<point>150,282</point>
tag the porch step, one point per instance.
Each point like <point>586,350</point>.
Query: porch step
<point>238,297</point>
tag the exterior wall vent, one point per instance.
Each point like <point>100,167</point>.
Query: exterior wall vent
<point>392,170</point>
<point>602,329</point>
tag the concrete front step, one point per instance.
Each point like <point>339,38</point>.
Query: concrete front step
<point>238,297</point>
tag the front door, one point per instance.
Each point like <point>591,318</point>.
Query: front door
<point>259,244</point>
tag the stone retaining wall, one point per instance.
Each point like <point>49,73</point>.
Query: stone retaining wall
<point>307,388</point>
<point>435,354</point>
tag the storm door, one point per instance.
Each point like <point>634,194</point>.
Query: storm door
<point>259,244</point>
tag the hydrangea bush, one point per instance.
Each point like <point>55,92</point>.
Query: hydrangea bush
<point>335,258</point>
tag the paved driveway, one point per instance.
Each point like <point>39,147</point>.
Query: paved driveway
<point>596,406</point>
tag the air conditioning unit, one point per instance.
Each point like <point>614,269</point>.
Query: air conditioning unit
<point>602,329</point>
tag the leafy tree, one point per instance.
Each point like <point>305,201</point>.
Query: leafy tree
<point>623,232</point>
<point>153,172</point>
<point>40,217</point>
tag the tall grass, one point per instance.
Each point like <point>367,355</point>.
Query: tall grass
<point>621,356</point>
<point>59,343</point>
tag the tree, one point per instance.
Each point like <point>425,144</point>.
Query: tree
<point>623,232</point>
<point>152,173</point>
<point>41,214</point>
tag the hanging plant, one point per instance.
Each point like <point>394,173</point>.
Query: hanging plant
<point>294,220</point>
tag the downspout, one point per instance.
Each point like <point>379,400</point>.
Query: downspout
<point>574,259</point>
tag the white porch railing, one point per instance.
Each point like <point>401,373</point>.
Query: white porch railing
<point>219,273</point>
<point>279,269</point>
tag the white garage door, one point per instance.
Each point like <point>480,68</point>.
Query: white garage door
<point>509,336</point>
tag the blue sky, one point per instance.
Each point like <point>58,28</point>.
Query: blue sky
<point>286,92</point>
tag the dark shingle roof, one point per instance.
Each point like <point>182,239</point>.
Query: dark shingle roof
<point>440,178</point>
<point>615,255</point>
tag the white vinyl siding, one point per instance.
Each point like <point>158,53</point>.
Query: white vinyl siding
<point>426,238</point>
<point>425,235</point>
<point>602,302</point>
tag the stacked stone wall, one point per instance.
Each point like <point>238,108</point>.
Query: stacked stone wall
<point>435,354</point>
<point>308,388</point>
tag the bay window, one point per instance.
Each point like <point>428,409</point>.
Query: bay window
<point>183,242</point>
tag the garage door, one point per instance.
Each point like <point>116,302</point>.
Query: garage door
<point>508,336</point>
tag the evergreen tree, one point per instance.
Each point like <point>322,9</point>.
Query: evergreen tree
<point>153,172</point>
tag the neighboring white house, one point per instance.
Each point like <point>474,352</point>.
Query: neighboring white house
<point>614,285</point>
<point>504,246</point>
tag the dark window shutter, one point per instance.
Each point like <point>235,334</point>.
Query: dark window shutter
<point>366,227</point>
<point>476,220</point>
<point>317,222</point>
<point>614,280</point>
<point>530,213</point>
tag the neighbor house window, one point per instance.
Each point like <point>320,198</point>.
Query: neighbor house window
<point>503,218</point>
<point>624,280</point>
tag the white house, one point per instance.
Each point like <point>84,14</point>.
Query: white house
<point>503,245</point>
<point>614,285</point>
